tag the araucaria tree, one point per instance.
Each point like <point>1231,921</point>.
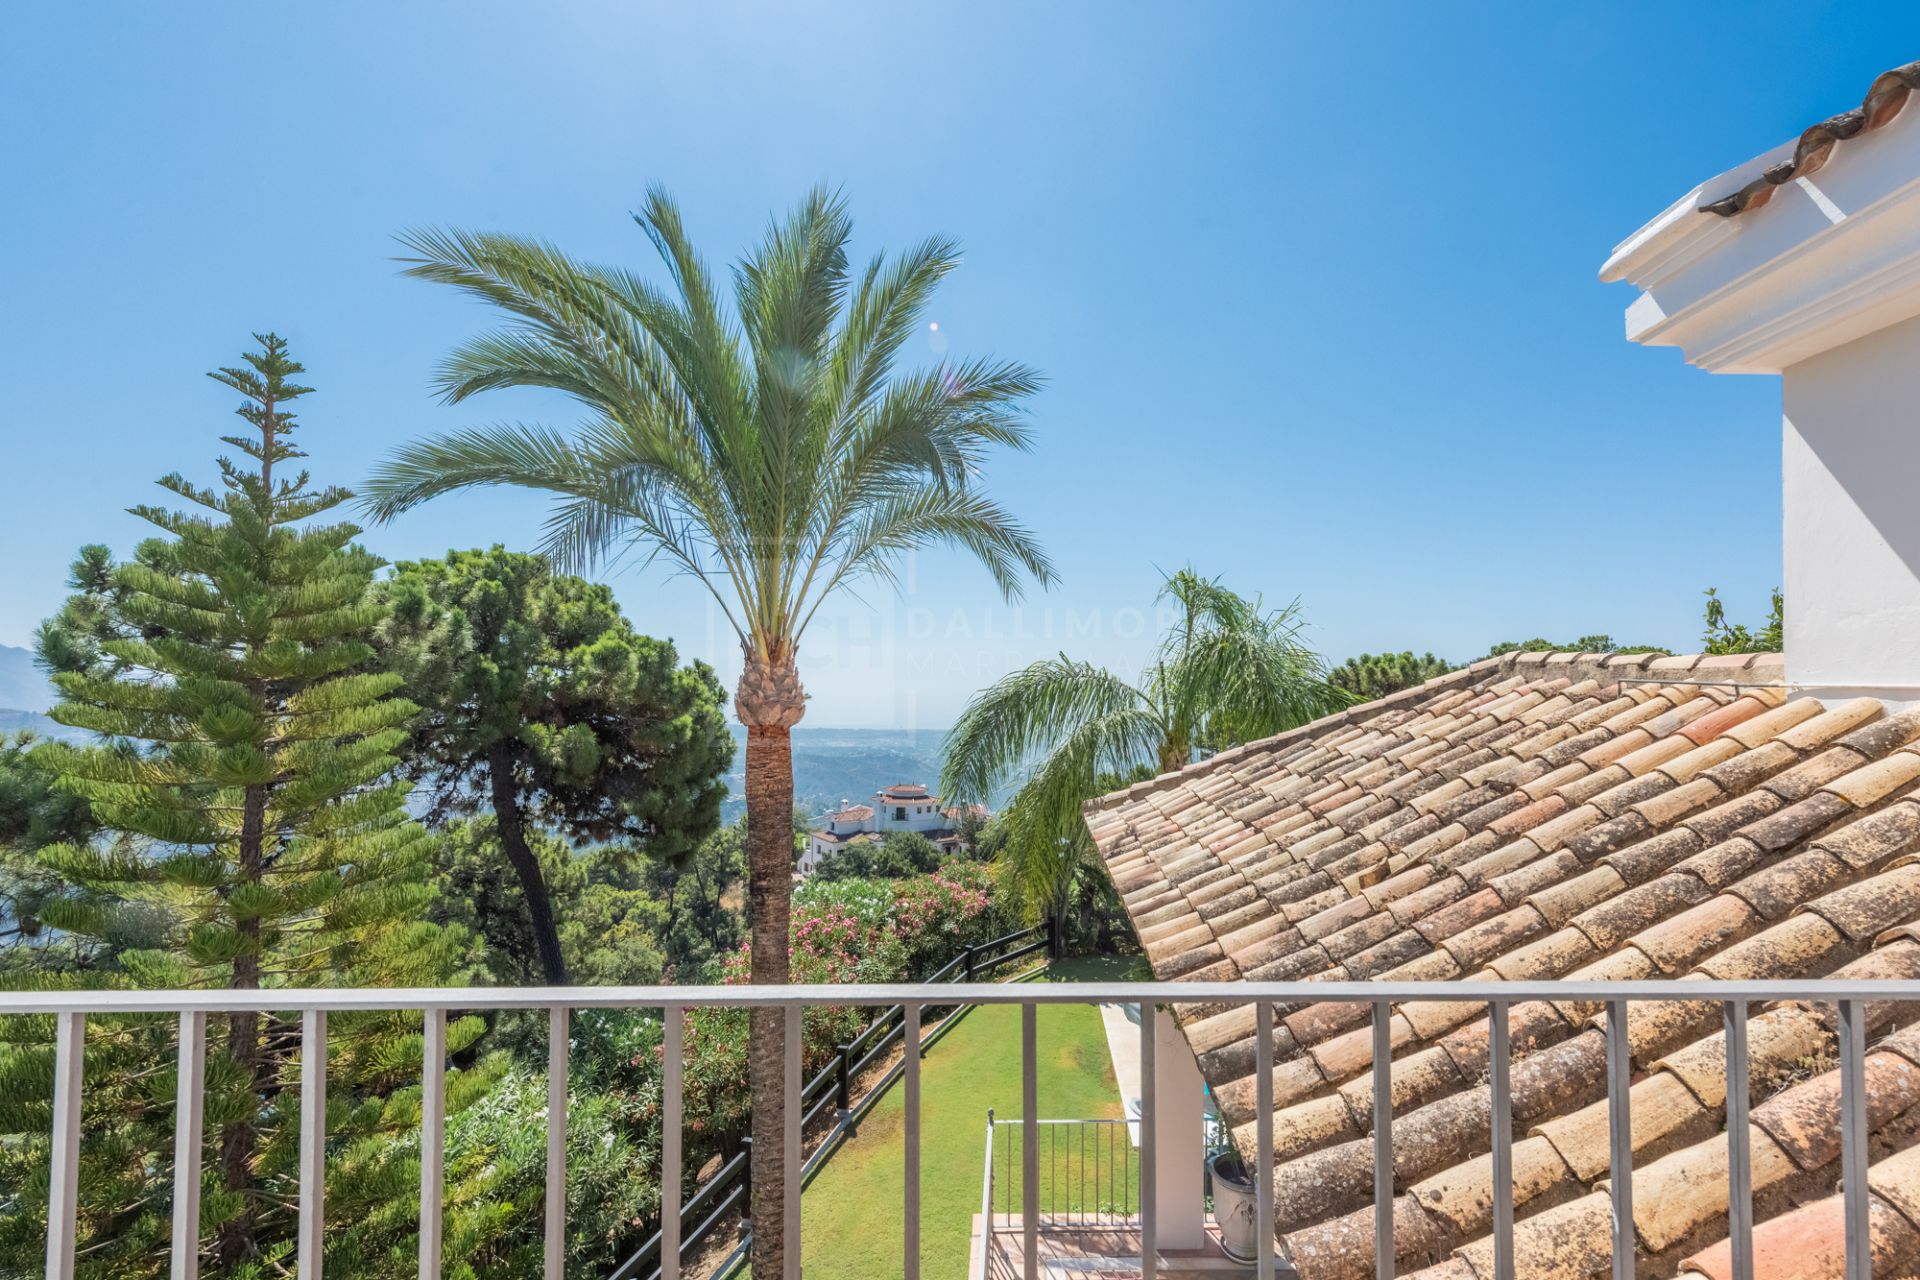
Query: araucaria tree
<point>540,703</point>
<point>772,449</point>
<point>1375,675</point>
<point>1228,671</point>
<point>249,772</point>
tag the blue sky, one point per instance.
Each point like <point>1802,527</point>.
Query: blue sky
<point>1314,286</point>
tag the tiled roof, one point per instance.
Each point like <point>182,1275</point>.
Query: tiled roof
<point>852,813</point>
<point>1545,816</point>
<point>854,837</point>
<point>905,791</point>
<point>1882,103</point>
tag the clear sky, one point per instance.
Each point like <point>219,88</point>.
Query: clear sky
<point>1314,285</point>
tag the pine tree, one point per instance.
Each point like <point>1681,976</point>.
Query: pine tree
<point>1375,675</point>
<point>248,768</point>
<point>541,705</point>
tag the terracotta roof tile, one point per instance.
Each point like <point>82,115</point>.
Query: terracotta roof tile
<point>1533,818</point>
<point>1885,98</point>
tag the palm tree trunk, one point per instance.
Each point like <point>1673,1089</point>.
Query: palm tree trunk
<point>769,702</point>
<point>769,897</point>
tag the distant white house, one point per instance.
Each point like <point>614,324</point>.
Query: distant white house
<point>905,806</point>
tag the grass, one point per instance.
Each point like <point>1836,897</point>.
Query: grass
<point>852,1217</point>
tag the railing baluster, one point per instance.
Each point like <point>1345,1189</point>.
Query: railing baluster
<point>63,1191</point>
<point>986,1205</point>
<point>1383,1254</point>
<point>1853,1139</point>
<point>672,1094</point>
<point>433,1139</point>
<point>1030,1139</point>
<point>1263,1140</point>
<point>1620,1137</point>
<point>1500,1067</point>
<point>189,1133</point>
<point>793,1153</point>
<point>911,1192</point>
<point>310,1237</point>
<point>1739,1157</point>
<point>555,1246</point>
<point>1149,1184</point>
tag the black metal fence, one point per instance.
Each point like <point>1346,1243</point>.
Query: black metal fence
<point>725,1196</point>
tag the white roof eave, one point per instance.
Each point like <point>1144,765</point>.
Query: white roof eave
<point>1833,255</point>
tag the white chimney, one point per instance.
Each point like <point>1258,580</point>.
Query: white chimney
<point>1809,267</point>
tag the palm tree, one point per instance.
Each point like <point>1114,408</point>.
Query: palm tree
<point>772,450</point>
<point>1227,671</point>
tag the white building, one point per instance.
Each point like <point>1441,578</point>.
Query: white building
<point>1805,263</point>
<point>904,806</point>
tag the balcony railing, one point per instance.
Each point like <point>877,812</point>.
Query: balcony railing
<point>834,1091</point>
<point>1087,1173</point>
<point>71,1010</point>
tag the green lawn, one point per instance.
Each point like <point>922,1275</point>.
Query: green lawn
<point>852,1214</point>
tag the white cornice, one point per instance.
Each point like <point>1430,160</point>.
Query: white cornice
<point>1829,258</point>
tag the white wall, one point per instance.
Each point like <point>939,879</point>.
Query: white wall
<point>1180,1139</point>
<point>1850,474</point>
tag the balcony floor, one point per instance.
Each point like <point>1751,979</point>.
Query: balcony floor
<point>1070,1251</point>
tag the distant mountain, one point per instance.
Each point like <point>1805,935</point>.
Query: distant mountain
<point>831,765</point>
<point>12,722</point>
<point>22,686</point>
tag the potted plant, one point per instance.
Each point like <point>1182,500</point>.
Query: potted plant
<point>1233,1209</point>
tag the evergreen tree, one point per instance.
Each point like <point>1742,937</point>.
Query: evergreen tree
<point>541,705</point>
<point>899,854</point>
<point>1598,643</point>
<point>34,812</point>
<point>612,925</point>
<point>247,767</point>
<point>701,924</point>
<point>1375,675</point>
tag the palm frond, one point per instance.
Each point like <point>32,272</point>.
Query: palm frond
<point>768,445</point>
<point>1083,715</point>
<point>530,457</point>
<point>1237,673</point>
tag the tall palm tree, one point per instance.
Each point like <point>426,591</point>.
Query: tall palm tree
<point>1228,670</point>
<point>771,449</point>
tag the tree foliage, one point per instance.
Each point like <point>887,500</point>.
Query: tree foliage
<point>541,706</point>
<point>1724,637</point>
<point>1228,671</point>
<point>896,855</point>
<point>35,811</point>
<point>253,836</point>
<point>1598,643</point>
<point>1375,675</point>
<point>770,446</point>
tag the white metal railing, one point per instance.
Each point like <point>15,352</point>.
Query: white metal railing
<point>71,1009</point>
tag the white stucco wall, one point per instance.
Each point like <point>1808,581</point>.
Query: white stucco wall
<point>1179,1137</point>
<point>1850,475</point>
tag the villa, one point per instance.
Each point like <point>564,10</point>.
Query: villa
<point>904,806</point>
<point>1558,966</point>
<point>1541,820</point>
